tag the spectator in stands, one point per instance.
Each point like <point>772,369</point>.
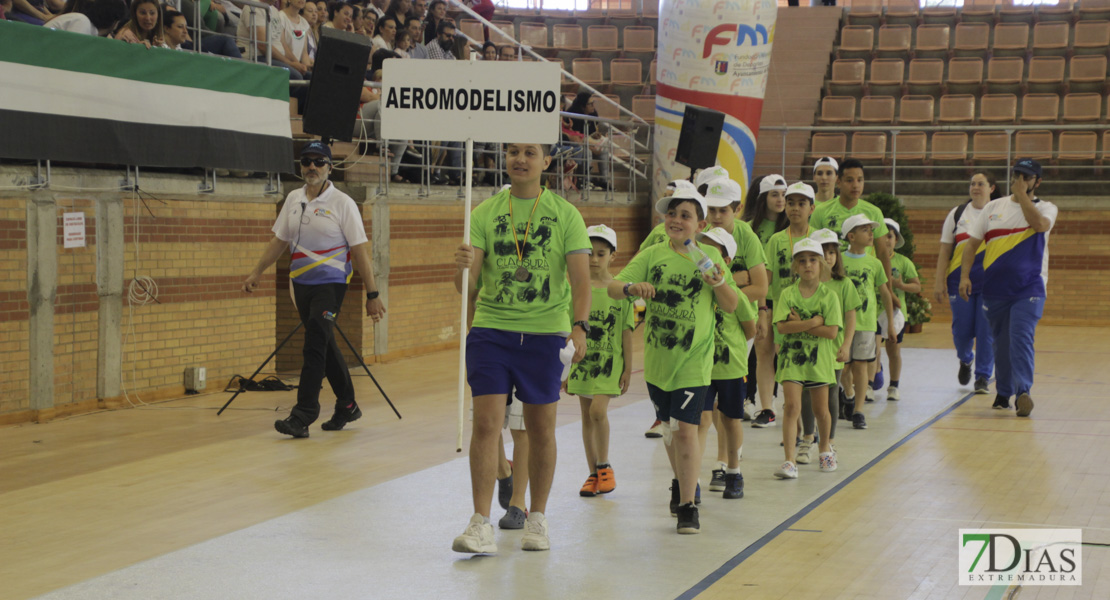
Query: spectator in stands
<point>35,12</point>
<point>402,43</point>
<point>339,15</point>
<point>437,13</point>
<point>313,42</point>
<point>419,9</point>
<point>590,138</point>
<point>176,30</point>
<point>415,28</point>
<point>443,44</point>
<point>387,31</point>
<point>485,9</point>
<point>399,10</point>
<point>214,19</point>
<point>378,7</point>
<point>489,51</point>
<point>369,23</point>
<point>252,26</point>
<point>508,52</point>
<point>294,37</point>
<point>145,26</point>
<point>462,48</point>
<point>90,17</point>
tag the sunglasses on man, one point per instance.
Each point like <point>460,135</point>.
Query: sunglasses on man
<point>319,162</point>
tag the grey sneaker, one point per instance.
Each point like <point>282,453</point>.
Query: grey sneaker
<point>802,453</point>
<point>477,539</point>
<point>535,533</point>
<point>514,519</point>
<point>717,484</point>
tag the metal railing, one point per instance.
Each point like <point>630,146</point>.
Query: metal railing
<point>197,31</point>
<point>903,171</point>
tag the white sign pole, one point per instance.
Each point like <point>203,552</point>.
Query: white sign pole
<point>465,292</point>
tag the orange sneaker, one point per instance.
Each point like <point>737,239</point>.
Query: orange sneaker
<point>589,489</point>
<point>606,481</point>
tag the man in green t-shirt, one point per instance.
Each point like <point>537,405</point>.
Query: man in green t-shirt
<point>680,280</point>
<point>530,250</point>
<point>831,214</point>
<point>867,273</point>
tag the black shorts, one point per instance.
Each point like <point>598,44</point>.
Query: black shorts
<point>683,404</point>
<point>729,395</point>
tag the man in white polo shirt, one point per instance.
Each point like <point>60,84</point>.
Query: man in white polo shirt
<point>322,228</point>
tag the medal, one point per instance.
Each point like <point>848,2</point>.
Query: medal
<point>521,274</point>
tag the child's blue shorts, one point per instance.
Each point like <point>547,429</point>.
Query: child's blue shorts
<point>729,395</point>
<point>499,362</point>
<point>684,404</point>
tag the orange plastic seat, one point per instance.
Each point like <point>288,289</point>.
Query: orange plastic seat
<point>856,41</point>
<point>1010,39</point>
<point>1035,144</point>
<point>1040,108</point>
<point>601,37</point>
<point>838,109</point>
<point>1082,108</point>
<point>949,146</point>
<point>998,108</point>
<point>828,144</point>
<point>916,110</point>
<point>876,110</point>
<point>1051,38</point>
<point>957,108</point>
<point>869,145</point>
<point>566,37</point>
<point>1077,146</point>
<point>639,39</point>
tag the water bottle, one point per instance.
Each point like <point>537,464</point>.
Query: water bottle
<point>700,258</point>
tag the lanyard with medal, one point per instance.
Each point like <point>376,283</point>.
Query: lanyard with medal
<point>522,274</point>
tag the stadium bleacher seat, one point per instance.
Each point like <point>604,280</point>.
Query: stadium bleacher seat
<point>639,39</point>
<point>998,108</point>
<point>956,109</point>
<point>1082,108</point>
<point>990,147</point>
<point>926,76</point>
<point>1040,108</point>
<point>566,37</point>
<point>589,70</point>
<point>876,110</point>
<point>1087,73</point>
<point>856,41</point>
<point>1046,73</point>
<point>866,12</point>
<point>1051,39</point>
<point>916,110</point>
<point>939,15</point>
<point>1035,144</point>
<point>1010,39</point>
<point>1078,146</point>
<point>1005,74</point>
<point>965,76</point>
<point>971,39</point>
<point>847,77</point>
<point>894,41</point>
<point>1009,12</point>
<point>837,109</point>
<point>626,71</point>
<point>932,41</point>
<point>902,12</point>
<point>909,146</point>
<point>534,35</point>
<point>978,11</point>
<point>644,107</point>
<point>887,76</point>
<point>1092,37</point>
<point>949,146</point>
<point>601,37</point>
<point>828,144</point>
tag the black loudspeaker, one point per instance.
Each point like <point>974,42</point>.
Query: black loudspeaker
<point>336,85</point>
<point>699,138</point>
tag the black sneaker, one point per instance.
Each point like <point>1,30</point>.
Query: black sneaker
<point>849,410</point>
<point>765,418</point>
<point>1001,402</point>
<point>291,426</point>
<point>339,420</point>
<point>981,386</point>
<point>717,484</point>
<point>965,373</point>
<point>734,486</point>
<point>688,519</point>
<point>674,497</point>
<point>858,421</point>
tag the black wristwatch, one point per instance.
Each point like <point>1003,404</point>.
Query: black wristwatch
<point>371,295</point>
<point>585,325</point>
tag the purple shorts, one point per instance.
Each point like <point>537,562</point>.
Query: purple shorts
<point>503,362</point>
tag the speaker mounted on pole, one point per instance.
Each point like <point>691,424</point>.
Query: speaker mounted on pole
<point>699,138</point>
<point>337,78</point>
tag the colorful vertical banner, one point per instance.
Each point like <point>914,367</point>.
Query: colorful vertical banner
<point>714,54</point>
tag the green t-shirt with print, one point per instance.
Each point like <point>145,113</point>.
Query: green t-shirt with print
<point>832,214</point>
<point>542,303</point>
<point>903,268</point>
<point>678,331</point>
<point>868,275</point>
<point>730,345</point>
<point>765,230</point>
<point>780,258</point>
<point>804,356</point>
<point>600,370</point>
<point>849,300</point>
<point>657,236</point>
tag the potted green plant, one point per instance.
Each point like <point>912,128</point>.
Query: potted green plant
<point>918,310</point>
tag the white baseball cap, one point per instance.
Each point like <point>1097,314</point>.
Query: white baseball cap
<point>684,192</point>
<point>855,221</point>
<point>899,241</point>
<point>722,238</point>
<point>825,236</point>
<point>705,175</point>
<point>681,184</point>
<point>772,182</point>
<point>801,188</point>
<point>723,191</point>
<point>827,160</point>
<point>807,245</point>
<point>603,232</point>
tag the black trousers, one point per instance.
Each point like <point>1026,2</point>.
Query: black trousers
<point>318,306</point>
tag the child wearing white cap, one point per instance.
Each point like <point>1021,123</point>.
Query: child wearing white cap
<point>824,178</point>
<point>727,386</point>
<point>903,279</point>
<point>870,278</point>
<point>765,212</point>
<point>799,205</point>
<point>723,197</point>
<point>604,372</point>
<point>808,316</point>
<point>678,335</point>
<point>657,235</point>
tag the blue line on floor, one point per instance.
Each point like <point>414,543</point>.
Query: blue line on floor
<point>735,561</point>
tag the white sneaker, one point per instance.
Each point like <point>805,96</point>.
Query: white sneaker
<point>828,461</point>
<point>802,454</point>
<point>535,533</point>
<point>870,395</point>
<point>478,537</point>
<point>892,394</point>
<point>787,471</point>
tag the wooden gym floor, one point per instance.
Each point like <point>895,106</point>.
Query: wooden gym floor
<point>170,501</point>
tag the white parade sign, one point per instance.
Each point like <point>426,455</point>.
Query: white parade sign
<point>449,100</point>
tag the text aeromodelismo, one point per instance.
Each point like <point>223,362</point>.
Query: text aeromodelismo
<point>491,100</point>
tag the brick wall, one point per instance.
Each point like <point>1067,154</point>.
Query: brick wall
<point>14,345</point>
<point>1079,258</point>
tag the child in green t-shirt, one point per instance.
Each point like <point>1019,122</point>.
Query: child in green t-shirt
<point>727,386</point>
<point>838,281</point>
<point>867,273</point>
<point>605,371</point>
<point>799,205</point>
<point>903,279</point>
<point>680,286</point>
<point>530,249</point>
<point>808,316</point>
